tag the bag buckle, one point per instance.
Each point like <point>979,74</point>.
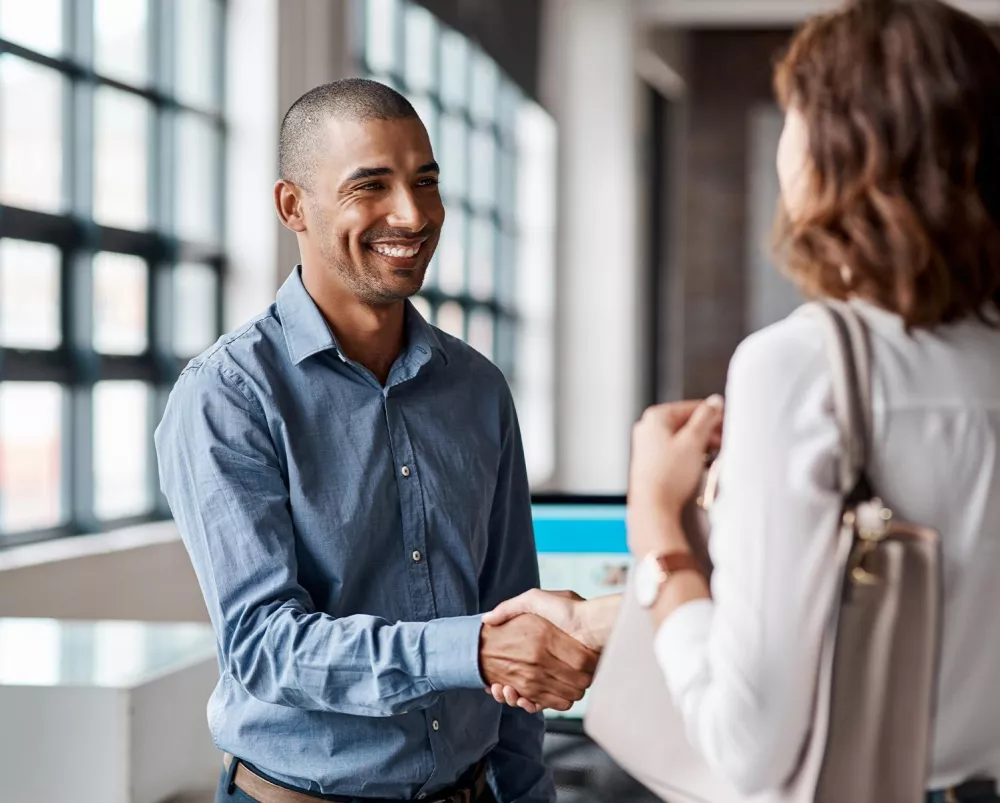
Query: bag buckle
<point>870,523</point>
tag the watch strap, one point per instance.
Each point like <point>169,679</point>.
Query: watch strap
<point>673,562</point>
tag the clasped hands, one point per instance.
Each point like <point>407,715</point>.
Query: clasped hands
<point>554,638</point>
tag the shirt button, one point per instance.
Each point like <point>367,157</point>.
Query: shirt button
<point>405,471</point>
<point>436,725</point>
<point>416,556</point>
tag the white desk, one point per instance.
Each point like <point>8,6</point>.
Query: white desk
<point>104,712</point>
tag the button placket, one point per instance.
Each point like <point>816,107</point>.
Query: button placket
<point>411,509</point>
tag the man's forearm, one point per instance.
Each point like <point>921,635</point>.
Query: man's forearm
<point>358,665</point>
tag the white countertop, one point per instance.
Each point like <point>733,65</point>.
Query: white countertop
<point>109,654</point>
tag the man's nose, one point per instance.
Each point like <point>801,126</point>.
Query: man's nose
<point>406,212</point>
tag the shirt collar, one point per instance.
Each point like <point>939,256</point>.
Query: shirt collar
<point>307,332</point>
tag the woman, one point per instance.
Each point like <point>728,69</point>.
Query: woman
<point>890,175</point>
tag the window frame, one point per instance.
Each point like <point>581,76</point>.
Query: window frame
<point>499,304</point>
<point>74,364</point>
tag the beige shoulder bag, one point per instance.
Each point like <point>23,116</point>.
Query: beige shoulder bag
<point>875,687</point>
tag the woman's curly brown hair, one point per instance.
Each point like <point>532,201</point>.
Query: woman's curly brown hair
<point>901,100</point>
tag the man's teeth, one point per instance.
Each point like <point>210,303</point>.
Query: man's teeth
<point>396,250</point>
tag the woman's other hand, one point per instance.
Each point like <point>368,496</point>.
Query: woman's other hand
<point>669,445</point>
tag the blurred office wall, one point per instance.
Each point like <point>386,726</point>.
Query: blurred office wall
<point>730,198</point>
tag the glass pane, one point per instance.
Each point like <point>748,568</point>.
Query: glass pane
<point>482,256</point>
<point>485,84</point>
<point>34,24</point>
<point>451,156</point>
<point>451,253</point>
<point>481,332</point>
<point>451,319</point>
<point>508,103</point>
<point>30,455</point>
<point>197,57</point>
<point>506,269</point>
<point>506,188</point>
<point>197,189</point>
<point>120,302</point>
<point>482,187</point>
<point>196,290</point>
<point>420,48</point>
<point>454,68</point>
<point>31,135</point>
<point>428,114</point>
<point>121,449</point>
<point>381,34</point>
<point>120,40</point>
<point>29,295</point>
<point>121,159</point>
<point>422,306</point>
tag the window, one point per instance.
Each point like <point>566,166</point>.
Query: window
<point>111,141</point>
<point>492,279</point>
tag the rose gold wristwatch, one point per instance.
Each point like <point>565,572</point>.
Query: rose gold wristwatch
<point>653,571</point>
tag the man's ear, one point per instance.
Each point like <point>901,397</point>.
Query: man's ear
<point>288,203</point>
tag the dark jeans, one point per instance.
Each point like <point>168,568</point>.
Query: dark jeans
<point>222,794</point>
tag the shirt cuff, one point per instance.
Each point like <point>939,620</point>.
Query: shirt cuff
<point>681,643</point>
<point>451,648</point>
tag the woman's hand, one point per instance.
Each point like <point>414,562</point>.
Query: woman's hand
<point>588,621</point>
<point>669,445</point>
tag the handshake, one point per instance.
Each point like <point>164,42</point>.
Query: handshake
<point>540,650</point>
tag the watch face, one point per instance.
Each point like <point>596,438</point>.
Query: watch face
<point>648,578</point>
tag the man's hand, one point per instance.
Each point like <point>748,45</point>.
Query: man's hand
<point>538,659</point>
<point>587,621</point>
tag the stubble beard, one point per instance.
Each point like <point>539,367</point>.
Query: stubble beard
<point>365,281</point>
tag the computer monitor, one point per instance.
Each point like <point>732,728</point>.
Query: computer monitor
<point>582,547</point>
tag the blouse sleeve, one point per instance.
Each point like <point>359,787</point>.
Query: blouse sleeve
<point>741,667</point>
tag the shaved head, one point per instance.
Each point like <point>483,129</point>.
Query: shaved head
<point>303,131</point>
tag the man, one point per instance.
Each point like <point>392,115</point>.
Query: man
<point>350,484</point>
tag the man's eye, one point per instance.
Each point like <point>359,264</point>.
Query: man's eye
<point>375,185</point>
<point>430,181</point>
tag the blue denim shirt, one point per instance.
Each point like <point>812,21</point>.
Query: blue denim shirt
<point>346,537</point>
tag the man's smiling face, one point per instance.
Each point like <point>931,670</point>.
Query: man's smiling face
<point>374,213</point>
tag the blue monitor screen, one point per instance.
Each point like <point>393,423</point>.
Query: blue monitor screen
<point>581,547</point>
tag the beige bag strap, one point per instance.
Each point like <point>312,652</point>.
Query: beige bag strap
<point>849,345</point>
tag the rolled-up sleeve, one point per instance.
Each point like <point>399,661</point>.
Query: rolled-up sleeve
<point>517,772</point>
<point>742,666</point>
<point>225,485</point>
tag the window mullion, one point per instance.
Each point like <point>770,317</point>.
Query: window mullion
<point>75,364</point>
<point>86,372</point>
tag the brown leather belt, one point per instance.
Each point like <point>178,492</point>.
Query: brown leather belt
<point>264,791</point>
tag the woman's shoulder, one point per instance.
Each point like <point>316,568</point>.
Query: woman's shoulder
<point>788,350</point>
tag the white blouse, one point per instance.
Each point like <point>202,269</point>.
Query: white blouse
<point>741,667</point>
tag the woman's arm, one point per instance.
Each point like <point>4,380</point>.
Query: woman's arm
<point>741,665</point>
